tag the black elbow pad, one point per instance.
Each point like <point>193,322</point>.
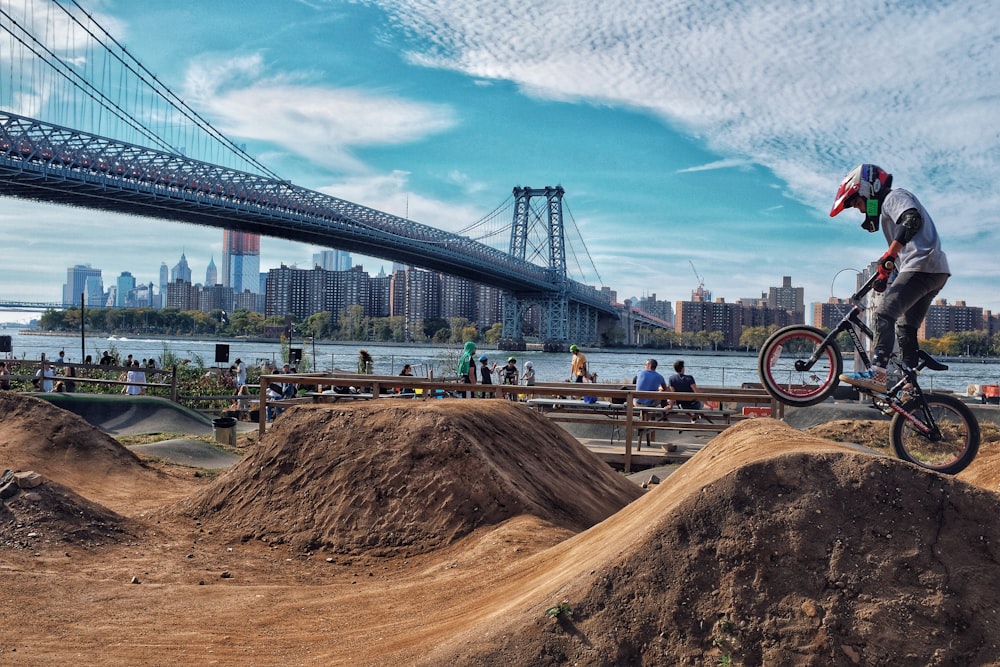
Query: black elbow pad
<point>909,223</point>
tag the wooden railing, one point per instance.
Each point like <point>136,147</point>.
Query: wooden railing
<point>632,416</point>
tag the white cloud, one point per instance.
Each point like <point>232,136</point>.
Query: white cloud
<point>802,88</point>
<point>322,124</point>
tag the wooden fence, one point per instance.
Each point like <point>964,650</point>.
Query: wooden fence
<point>610,400</point>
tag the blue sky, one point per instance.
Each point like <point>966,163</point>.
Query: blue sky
<point>711,133</point>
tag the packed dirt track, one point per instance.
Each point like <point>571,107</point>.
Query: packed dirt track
<point>474,532</point>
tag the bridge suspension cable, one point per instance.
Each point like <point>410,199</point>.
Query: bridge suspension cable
<point>113,68</point>
<point>586,251</point>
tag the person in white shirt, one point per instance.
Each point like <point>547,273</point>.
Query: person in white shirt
<point>135,375</point>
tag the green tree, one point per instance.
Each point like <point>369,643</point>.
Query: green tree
<point>753,337</point>
<point>53,320</point>
<point>666,338</point>
<point>433,326</point>
<point>353,323</point>
<point>457,325</point>
<point>397,325</point>
<point>471,333</point>
<point>382,329</point>
<point>493,334</point>
<point>614,337</point>
<point>318,325</point>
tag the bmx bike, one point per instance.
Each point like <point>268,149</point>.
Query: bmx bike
<point>800,365</point>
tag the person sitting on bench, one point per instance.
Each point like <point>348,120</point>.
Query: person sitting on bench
<point>649,380</point>
<point>682,382</point>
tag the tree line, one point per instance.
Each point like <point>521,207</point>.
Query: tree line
<point>353,325</point>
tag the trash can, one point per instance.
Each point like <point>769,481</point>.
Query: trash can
<point>225,430</point>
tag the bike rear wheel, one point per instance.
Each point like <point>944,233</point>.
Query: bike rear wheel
<point>782,361</point>
<point>950,447</point>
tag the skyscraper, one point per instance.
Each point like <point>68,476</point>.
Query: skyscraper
<point>332,260</point>
<point>211,274</point>
<point>241,261</point>
<point>82,279</point>
<point>124,285</point>
<point>164,281</point>
<point>181,271</point>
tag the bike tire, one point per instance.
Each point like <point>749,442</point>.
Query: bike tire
<point>779,361</point>
<point>959,429</point>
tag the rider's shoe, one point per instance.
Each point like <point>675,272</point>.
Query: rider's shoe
<point>873,379</point>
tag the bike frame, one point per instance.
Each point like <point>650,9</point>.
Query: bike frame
<point>851,323</point>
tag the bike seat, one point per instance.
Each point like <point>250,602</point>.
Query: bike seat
<point>930,362</point>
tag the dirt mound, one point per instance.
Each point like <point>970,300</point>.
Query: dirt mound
<point>52,516</point>
<point>59,444</point>
<point>65,448</point>
<point>804,553</point>
<point>388,477</point>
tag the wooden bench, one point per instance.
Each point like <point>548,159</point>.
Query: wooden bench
<point>577,410</point>
<point>335,397</point>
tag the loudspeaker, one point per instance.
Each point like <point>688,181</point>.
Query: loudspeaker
<point>295,355</point>
<point>5,344</point>
<point>221,353</point>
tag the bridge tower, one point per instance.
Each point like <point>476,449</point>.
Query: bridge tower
<point>559,321</point>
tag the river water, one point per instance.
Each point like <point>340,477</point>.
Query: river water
<point>709,369</point>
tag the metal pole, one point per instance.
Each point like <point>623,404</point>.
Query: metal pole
<point>83,336</point>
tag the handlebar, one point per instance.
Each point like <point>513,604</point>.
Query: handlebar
<point>865,289</point>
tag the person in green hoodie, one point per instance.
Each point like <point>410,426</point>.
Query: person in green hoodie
<point>467,365</point>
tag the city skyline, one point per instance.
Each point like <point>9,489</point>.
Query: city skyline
<point>687,136</point>
<point>785,288</point>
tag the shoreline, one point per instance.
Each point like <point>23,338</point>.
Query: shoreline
<point>444,346</point>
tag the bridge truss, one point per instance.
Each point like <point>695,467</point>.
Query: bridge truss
<point>49,163</point>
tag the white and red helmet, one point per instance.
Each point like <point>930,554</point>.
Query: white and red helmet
<point>868,181</point>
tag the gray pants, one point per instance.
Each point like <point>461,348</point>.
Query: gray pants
<point>903,309</point>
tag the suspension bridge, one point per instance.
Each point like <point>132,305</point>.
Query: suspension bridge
<point>83,123</point>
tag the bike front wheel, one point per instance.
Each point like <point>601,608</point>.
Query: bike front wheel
<point>786,369</point>
<point>943,438</point>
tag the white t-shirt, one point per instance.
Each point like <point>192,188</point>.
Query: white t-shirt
<point>923,253</point>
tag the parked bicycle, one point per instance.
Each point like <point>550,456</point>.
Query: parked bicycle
<point>800,365</point>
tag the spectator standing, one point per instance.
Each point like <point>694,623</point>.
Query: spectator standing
<point>467,365</point>
<point>486,375</point>
<point>136,377</point>
<point>366,365</point>
<point>69,384</point>
<point>578,368</point>
<point>45,377</point>
<point>241,373</point>
<point>240,407</point>
<point>509,376</point>
<point>4,376</point>
<point>529,374</point>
